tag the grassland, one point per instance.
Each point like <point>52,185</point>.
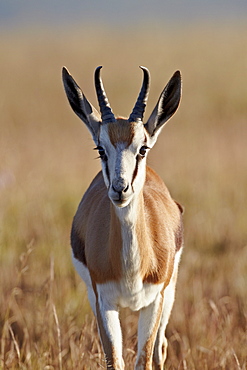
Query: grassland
<point>47,162</point>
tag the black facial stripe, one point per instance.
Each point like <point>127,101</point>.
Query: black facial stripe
<point>138,158</point>
<point>107,172</point>
<point>145,139</point>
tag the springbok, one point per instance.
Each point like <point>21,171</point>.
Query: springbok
<point>127,234</point>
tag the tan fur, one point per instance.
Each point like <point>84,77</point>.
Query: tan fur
<point>100,233</point>
<point>161,217</point>
<point>121,131</point>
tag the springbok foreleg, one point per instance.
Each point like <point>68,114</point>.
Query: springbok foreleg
<point>110,333</point>
<point>160,348</point>
<point>148,325</point>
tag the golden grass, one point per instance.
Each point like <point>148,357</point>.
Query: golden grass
<point>47,163</point>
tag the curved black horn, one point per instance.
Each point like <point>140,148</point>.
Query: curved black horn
<point>105,109</point>
<point>139,108</point>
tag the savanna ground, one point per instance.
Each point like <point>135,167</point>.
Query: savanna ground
<point>47,162</point>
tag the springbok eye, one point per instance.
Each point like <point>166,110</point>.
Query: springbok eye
<point>101,152</point>
<point>143,150</point>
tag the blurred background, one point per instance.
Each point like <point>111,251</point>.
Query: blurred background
<point>47,162</point>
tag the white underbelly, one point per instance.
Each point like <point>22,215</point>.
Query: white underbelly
<point>134,296</point>
<point>128,292</point>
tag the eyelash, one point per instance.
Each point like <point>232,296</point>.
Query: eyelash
<point>101,152</point>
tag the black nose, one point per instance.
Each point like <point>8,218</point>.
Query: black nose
<point>120,187</point>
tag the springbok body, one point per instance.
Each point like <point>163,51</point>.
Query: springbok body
<point>127,234</point>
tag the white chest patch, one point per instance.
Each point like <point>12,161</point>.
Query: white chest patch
<point>130,291</point>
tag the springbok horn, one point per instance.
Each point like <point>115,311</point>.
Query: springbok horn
<point>139,108</point>
<point>105,109</point>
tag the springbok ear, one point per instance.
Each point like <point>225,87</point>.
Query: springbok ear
<point>165,108</point>
<point>80,105</point>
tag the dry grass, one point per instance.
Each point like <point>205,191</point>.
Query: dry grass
<point>47,163</point>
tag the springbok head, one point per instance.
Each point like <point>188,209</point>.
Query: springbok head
<point>123,144</point>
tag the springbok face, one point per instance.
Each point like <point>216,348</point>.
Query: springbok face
<point>123,147</point>
<point>123,144</point>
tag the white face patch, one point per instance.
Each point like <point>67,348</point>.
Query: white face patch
<point>124,162</point>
